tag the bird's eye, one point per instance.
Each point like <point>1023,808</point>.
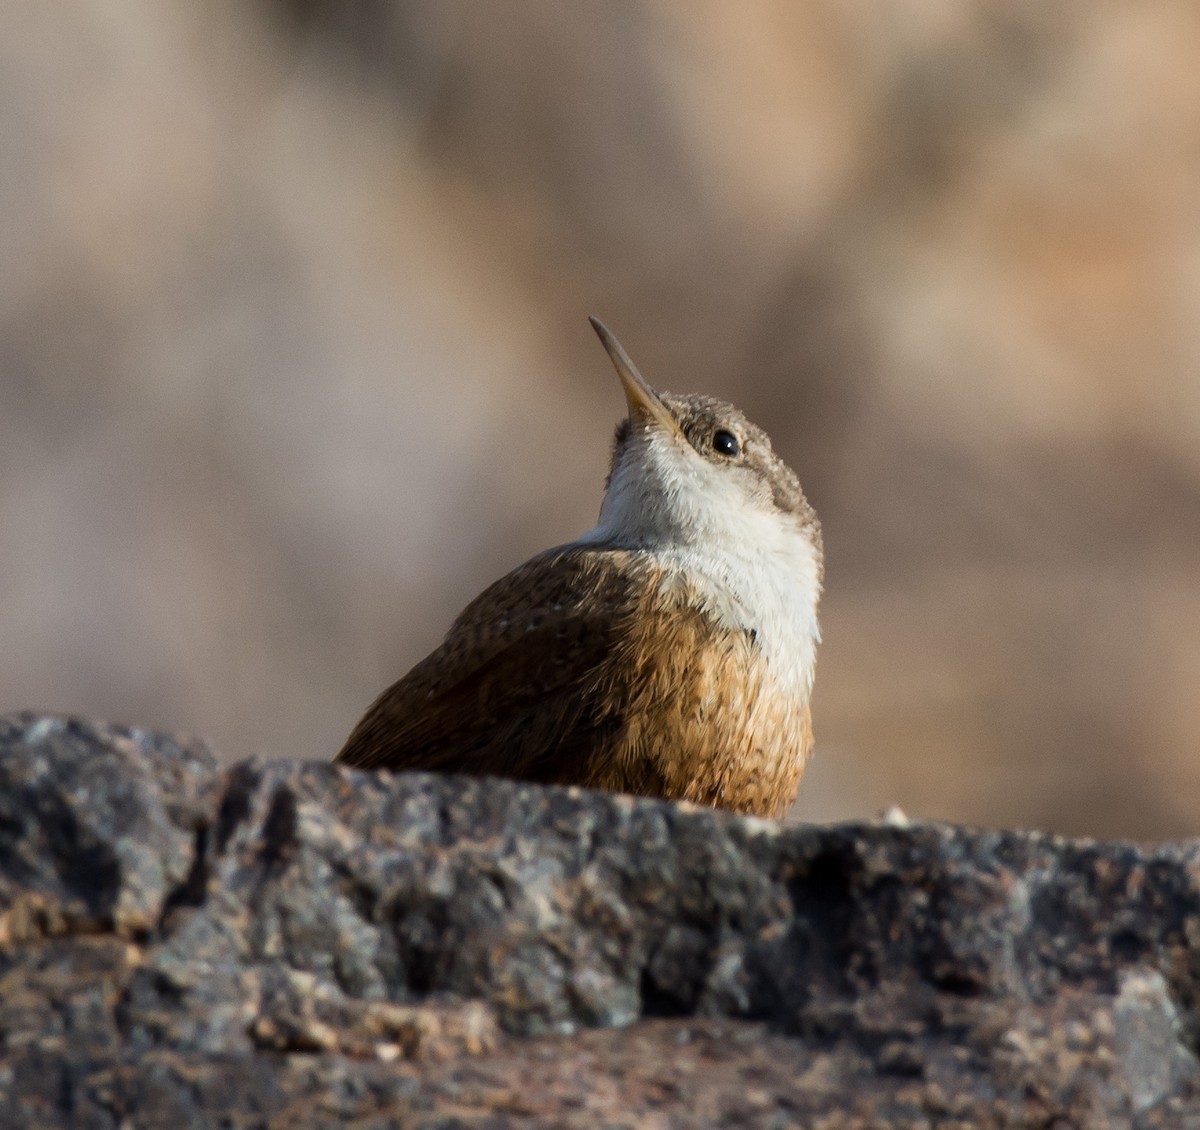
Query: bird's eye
<point>726,443</point>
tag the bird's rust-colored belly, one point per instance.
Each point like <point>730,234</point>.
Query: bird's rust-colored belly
<point>705,719</point>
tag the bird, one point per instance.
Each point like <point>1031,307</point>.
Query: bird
<point>667,652</point>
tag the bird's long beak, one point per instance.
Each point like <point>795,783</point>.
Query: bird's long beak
<point>645,405</point>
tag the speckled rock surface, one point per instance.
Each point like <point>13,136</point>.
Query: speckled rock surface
<point>297,944</point>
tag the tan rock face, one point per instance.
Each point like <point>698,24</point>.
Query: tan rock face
<point>293,358</point>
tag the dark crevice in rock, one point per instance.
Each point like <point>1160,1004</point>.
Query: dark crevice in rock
<point>420,936</point>
<point>362,895</point>
<point>1126,946</point>
<point>235,808</point>
<point>279,828</point>
<point>660,1002</point>
<point>89,868</point>
<point>959,984</point>
<point>192,891</point>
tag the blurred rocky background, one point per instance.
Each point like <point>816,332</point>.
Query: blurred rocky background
<point>294,359</point>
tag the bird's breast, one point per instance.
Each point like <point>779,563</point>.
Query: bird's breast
<point>708,712</point>
<point>769,591</point>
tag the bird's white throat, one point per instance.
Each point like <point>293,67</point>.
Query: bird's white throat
<point>755,567</point>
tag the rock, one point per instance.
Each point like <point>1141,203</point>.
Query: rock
<point>182,945</point>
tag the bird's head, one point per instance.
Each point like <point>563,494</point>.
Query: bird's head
<point>691,470</point>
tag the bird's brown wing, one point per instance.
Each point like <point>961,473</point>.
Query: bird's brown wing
<point>515,689</point>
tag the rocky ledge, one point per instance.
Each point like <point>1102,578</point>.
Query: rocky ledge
<point>183,945</point>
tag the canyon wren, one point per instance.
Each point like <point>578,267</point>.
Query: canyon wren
<point>668,652</point>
